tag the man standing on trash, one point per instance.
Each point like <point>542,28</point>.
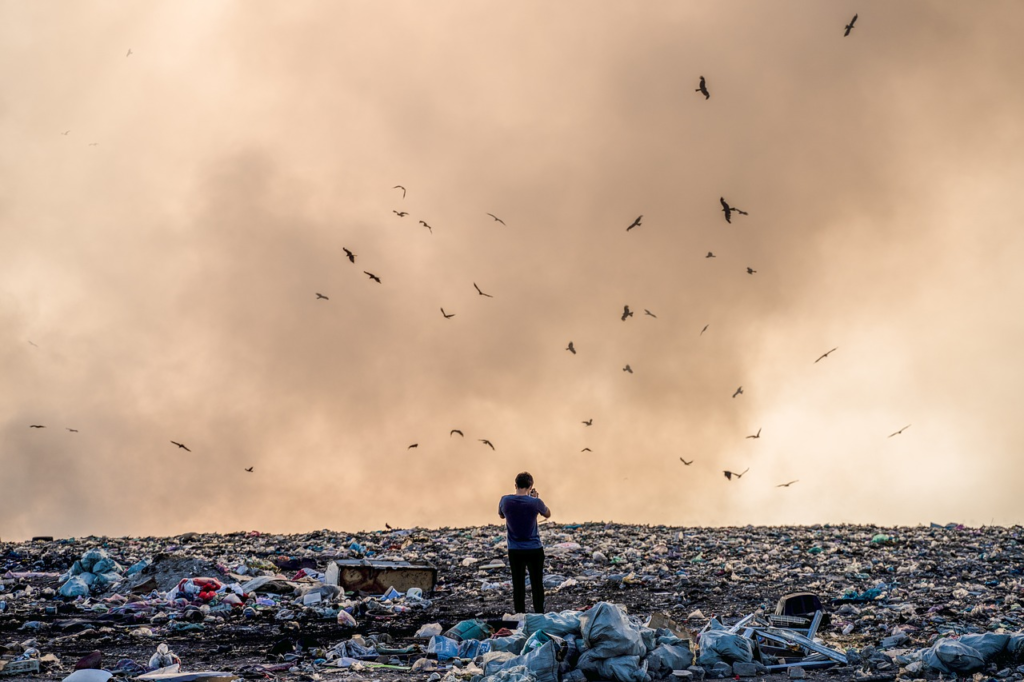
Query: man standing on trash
<point>525,551</point>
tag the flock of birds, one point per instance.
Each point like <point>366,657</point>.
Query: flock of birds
<point>729,212</point>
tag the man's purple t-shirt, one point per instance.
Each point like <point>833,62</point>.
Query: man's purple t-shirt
<point>520,512</point>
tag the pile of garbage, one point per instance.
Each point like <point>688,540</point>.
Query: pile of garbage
<point>257,604</point>
<point>94,571</point>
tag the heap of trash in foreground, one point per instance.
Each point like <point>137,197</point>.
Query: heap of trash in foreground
<point>624,604</point>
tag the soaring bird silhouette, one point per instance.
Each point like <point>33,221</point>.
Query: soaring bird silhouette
<point>704,330</point>
<point>786,485</point>
<point>129,52</point>
<point>36,426</point>
<point>685,462</point>
<point>849,26</point>
<point>319,296</point>
<point>589,422</point>
<point>571,348</point>
<point>703,89</point>
<point>586,450</point>
<point>480,292</point>
<point>627,368</point>
<point>65,132</point>
<point>728,210</point>
<point>636,223</point>
<point>730,474</point>
<point>94,144</point>
<point>751,271</point>
<point>447,315</point>
<point>424,224</point>
<point>71,429</point>
<point>348,254</point>
<point>454,431</point>
<point>710,255</point>
<point>486,442</point>
<point>648,312</point>
<point>401,188</point>
<point>899,432</point>
<point>496,218</point>
<point>181,445</point>
<point>756,435</point>
<point>739,391</point>
<point>825,355</point>
<point>401,214</point>
<point>626,312</point>
<point>414,445</point>
<point>372,276</point>
<point>249,469</point>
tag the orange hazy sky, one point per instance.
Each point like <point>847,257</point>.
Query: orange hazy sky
<point>159,262</point>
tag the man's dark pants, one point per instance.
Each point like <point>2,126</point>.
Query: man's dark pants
<point>520,561</point>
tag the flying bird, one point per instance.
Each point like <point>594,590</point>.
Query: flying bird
<point>401,214</point>
<point>729,209</point>
<point>588,422</point>
<point>424,224</point>
<point>738,392</point>
<point>627,368</point>
<point>348,254</point>
<point>626,312</point>
<point>374,277</point>
<point>571,348</point>
<point>636,223</point>
<point>401,188</point>
<point>32,344</point>
<point>756,435</point>
<point>454,431</point>
<point>480,292</point>
<point>496,218</point>
<point>648,312</point>
<point>729,474</point>
<point>703,89</point>
<point>65,132</point>
<point>704,330</point>
<point>71,429</point>
<point>899,432</point>
<point>93,144</point>
<point>685,462</point>
<point>36,426</point>
<point>414,445</point>
<point>486,442</point>
<point>825,355</point>
<point>319,296</point>
<point>786,485</point>
<point>447,315</point>
<point>181,445</point>
<point>849,26</point>
<point>751,271</point>
<point>129,52</point>
<point>710,255</point>
<point>249,469</point>
<point>586,450</point>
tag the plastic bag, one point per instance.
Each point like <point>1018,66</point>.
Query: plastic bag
<point>542,662</point>
<point>617,668</point>
<point>722,645</point>
<point>443,647</point>
<point>989,644</point>
<point>558,624</point>
<point>952,656</point>
<point>75,587</point>
<point>668,657</point>
<point>163,658</point>
<point>607,632</point>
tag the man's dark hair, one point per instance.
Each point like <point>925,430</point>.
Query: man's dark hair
<point>524,480</point>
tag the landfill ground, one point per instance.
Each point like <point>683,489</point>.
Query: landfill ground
<point>931,582</point>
